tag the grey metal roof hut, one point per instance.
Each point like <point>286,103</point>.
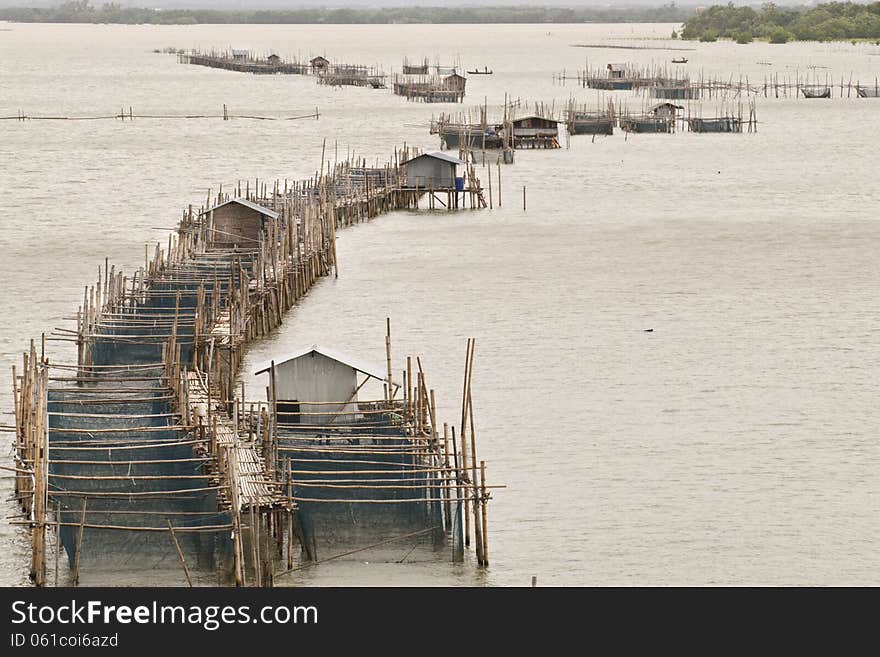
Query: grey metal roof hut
<point>432,170</point>
<point>323,376</point>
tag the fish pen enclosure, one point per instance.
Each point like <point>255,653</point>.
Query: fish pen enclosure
<point>474,130</point>
<point>431,89</point>
<point>682,91</point>
<point>141,454</point>
<point>415,68</point>
<point>621,77</point>
<point>366,471</point>
<point>667,117</point>
<point>244,61</point>
<point>467,130</point>
<point>727,117</point>
<point>351,75</point>
<point>585,120</point>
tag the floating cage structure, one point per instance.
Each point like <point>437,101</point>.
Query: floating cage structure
<point>431,89</point>
<point>244,62</point>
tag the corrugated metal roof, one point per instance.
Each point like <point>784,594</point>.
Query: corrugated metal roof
<point>248,204</point>
<point>534,116</point>
<point>659,105</point>
<point>361,366</point>
<point>438,156</point>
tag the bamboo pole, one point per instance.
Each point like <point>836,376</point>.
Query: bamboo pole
<point>79,540</point>
<point>484,513</point>
<point>179,553</point>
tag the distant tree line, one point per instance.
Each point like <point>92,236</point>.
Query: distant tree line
<point>81,11</point>
<point>833,21</point>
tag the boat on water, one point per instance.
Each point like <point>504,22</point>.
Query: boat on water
<point>679,60</point>
<point>485,71</point>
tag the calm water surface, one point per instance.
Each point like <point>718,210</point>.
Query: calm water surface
<point>734,444</point>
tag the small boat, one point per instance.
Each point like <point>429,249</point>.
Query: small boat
<point>485,71</point>
<point>680,60</point>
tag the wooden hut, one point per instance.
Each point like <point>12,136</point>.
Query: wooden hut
<point>273,59</point>
<point>455,82</point>
<point>431,170</point>
<point>535,132</point>
<point>238,222</point>
<point>319,63</point>
<point>240,54</point>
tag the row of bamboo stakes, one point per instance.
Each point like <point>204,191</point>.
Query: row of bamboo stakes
<point>791,84</point>
<point>130,115</point>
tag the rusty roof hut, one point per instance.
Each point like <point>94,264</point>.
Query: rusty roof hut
<point>535,132</point>
<point>237,223</point>
<point>355,467</point>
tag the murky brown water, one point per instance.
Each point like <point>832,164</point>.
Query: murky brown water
<point>735,444</point>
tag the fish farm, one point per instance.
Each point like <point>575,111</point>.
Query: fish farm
<point>144,453</point>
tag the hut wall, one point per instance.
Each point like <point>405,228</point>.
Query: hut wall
<point>236,224</point>
<point>314,377</point>
<point>430,172</point>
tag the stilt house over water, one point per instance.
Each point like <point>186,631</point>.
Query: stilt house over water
<point>434,170</point>
<point>535,132</point>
